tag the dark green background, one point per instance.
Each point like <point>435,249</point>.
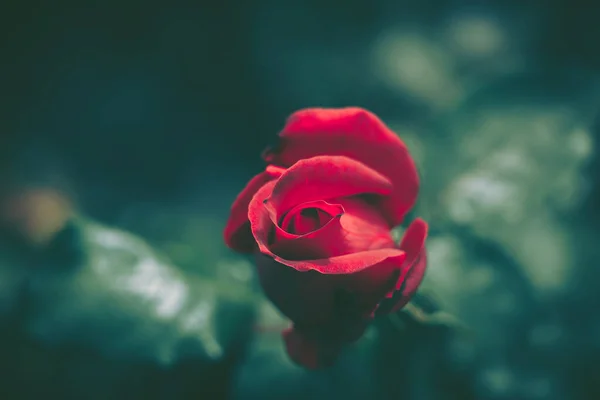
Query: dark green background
<point>153,115</point>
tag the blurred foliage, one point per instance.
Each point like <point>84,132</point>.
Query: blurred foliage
<point>137,124</point>
<point>97,314</point>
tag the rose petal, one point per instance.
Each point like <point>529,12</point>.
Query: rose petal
<point>346,264</point>
<point>373,279</point>
<point>355,133</point>
<point>412,270</point>
<point>306,298</point>
<point>311,298</point>
<point>323,178</point>
<point>372,284</point>
<point>278,234</point>
<point>237,232</point>
<point>309,216</point>
<point>412,280</point>
<point>413,243</point>
<point>328,311</point>
<point>262,227</point>
<point>321,243</point>
<point>356,228</point>
<point>314,244</point>
<point>262,219</point>
<point>363,226</point>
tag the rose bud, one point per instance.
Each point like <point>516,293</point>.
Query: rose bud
<point>319,220</point>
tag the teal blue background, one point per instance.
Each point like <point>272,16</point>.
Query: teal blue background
<point>152,116</point>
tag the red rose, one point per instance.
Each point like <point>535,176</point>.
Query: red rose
<point>319,219</point>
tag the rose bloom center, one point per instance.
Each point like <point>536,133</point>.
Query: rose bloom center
<point>306,220</point>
